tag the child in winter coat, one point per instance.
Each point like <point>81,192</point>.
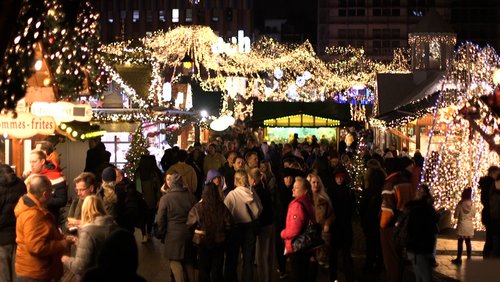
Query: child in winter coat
<point>464,213</point>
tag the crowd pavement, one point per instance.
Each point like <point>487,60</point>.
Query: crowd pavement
<point>154,268</point>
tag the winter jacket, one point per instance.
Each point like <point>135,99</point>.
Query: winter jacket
<point>397,191</point>
<point>40,245</point>
<point>266,217</point>
<point>172,214</point>
<point>188,174</point>
<point>300,211</point>
<point>241,202</point>
<point>59,188</point>
<point>465,213</point>
<point>10,192</point>
<point>421,227</point>
<point>216,234</point>
<point>91,237</point>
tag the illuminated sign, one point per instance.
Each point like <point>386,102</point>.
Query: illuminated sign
<point>240,44</point>
<point>63,111</point>
<point>26,125</point>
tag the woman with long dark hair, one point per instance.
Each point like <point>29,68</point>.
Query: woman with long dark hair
<point>148,181</point>
<point>210,220</point>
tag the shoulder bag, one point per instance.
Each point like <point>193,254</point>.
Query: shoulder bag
<point>310,238</point>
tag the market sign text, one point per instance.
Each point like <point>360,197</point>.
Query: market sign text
<point>26,125</point>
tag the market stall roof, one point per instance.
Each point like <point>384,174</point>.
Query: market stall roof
<point>316,114</point>
<point>136,76</point>
<point>403,95</point>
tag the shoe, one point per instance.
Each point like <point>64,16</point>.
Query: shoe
<point>456,261</point>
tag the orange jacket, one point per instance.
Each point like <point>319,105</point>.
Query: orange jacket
<point>40,245</point>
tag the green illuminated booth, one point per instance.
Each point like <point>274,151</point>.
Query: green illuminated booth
<point>280,120</point>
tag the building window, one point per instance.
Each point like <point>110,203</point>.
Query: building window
<point>175,15</point>
<point>189,15</point>
<point>342,12</point>
<point>123,15</point>
<point>161,16</point>
<point>135,16</point>
<point>149,16</point>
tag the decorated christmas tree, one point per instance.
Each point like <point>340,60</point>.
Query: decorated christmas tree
<point>138,147</point>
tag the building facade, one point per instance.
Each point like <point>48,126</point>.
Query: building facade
<point>129,19</point>
<point>379,26</point>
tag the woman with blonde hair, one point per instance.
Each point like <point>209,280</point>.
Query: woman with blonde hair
<point>324,216</point>
<point>245,207</point>
<point>95,227</point>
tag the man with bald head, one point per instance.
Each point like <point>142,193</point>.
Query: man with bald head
<point>40,245</point>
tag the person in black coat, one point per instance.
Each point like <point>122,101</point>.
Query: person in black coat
<point>486,184</point>
<point>421,230</point>
<point>371,201</point>
<point>117,261</point>
<point>342,198</point>
<point>11,189</point>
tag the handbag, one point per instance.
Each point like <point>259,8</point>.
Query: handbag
<point>309,239</point>
<point>199,237</point>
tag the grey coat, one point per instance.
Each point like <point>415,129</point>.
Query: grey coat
<point>90,240</point>
<point>173,212</point>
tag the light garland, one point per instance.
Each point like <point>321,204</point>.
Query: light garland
<point>463,155</point>
<point>296,65</point>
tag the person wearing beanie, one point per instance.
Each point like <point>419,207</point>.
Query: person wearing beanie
<point>186,171</point>
<point>214,176</point>
<point>107,192</point>
<point>108,174</point>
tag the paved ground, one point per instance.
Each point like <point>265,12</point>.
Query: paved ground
<point>154,268</point>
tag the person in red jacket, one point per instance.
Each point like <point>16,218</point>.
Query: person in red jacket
<point>300,211</point>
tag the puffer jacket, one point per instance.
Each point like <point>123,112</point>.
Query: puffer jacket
<point>10,192</point>
<point>300,211</point>
<point>40,245</point>
<point>465,213</point>
<point>91,237</point>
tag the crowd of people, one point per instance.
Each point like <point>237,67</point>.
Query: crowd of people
<point>228,204</point>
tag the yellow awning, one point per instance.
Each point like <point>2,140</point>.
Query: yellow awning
<point>301,120</point>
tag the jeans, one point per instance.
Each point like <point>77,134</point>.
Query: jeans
<point>7,262</point>
<point>422,266</point>
<point>243,237</point>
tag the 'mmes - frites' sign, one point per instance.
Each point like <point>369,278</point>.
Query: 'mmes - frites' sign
<point>26,125</point>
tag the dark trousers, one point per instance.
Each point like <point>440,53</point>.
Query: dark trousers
<point>341,244</point>
<point>210,263</point>
<point>373,249</point>
<point>243,237</point>
<point>147,227</point>
<point>302,268</point>
<point>460,247</point>
<point>488,242</point>
<point>280,249</point>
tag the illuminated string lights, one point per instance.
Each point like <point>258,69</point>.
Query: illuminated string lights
<point>463,155</point>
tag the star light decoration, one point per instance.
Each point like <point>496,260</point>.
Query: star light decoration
<point>273,71</point>
<point>464,156</point>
